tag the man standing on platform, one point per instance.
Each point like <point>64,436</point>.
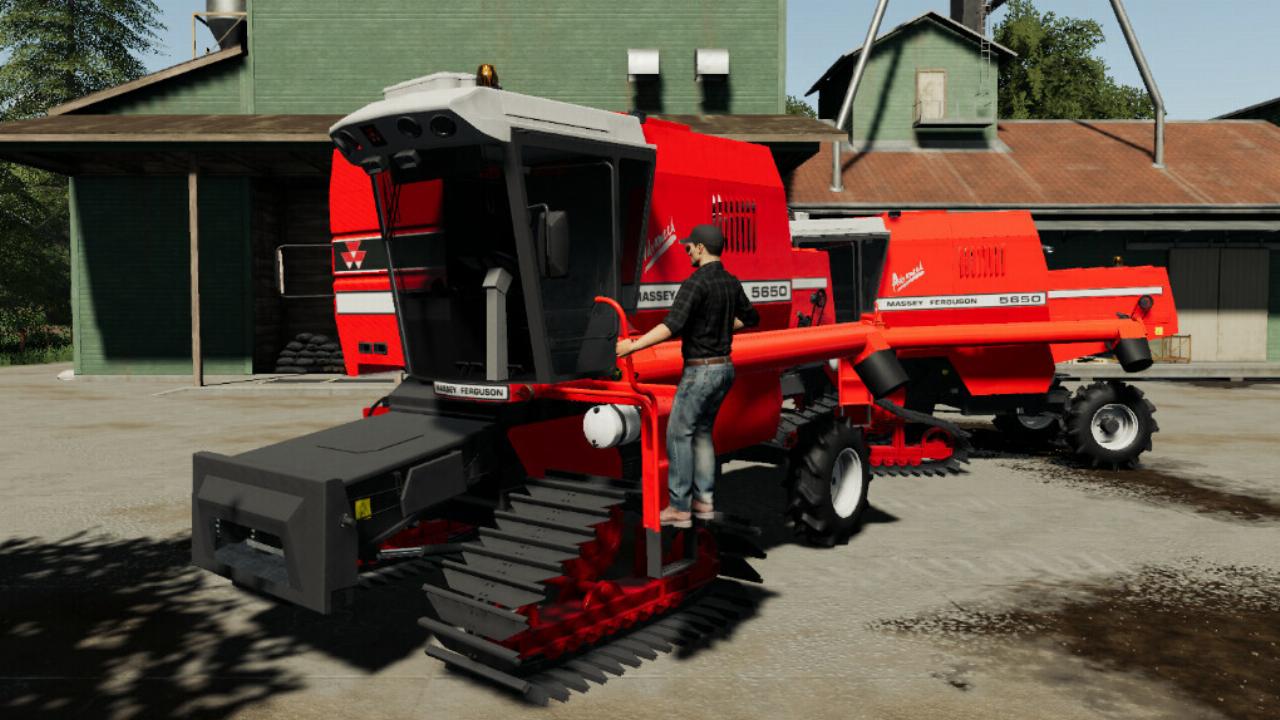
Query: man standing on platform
<point>708,308</point>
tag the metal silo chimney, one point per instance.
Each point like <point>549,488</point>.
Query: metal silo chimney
<point>970,14</point>
<point>226,20</point>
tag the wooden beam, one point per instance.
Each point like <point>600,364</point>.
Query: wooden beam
<point>193,219</point>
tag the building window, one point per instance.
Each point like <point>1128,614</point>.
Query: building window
<point>931,95</point>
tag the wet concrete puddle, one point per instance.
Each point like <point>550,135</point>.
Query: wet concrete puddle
<point>1212,632</point>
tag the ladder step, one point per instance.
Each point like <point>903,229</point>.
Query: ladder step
<point>532,548</point>
<point>536,509</point>
<point>604,487</point>
<point>488,587</point>
<point>570,498</point>
<point>516,568</point>
<point>536,529</point>
<point>497,655</point>
<point>481,618</point>
<point>533,694</point>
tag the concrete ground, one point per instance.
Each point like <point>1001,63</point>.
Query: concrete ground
<point>1029,587</point>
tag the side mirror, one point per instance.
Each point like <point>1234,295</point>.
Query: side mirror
<point>551,238</point>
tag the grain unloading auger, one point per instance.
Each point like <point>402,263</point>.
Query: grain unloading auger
<point>528,466</point>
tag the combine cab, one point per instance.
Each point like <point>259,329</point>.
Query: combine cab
<point>516,239</point>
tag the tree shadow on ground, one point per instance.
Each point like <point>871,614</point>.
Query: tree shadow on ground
<point>105,627</point>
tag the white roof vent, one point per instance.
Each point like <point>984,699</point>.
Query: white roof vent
<point>434,81</point>
<point>713,63</point>
<point>641,64</point>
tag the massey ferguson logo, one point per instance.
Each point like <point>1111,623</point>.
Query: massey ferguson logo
<point>659,244</point>
<point>353,256</point>
<point>900,282</point>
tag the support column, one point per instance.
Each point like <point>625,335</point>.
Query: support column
<point>193,220</point>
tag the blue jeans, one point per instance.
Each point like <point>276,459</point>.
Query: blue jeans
<point>691,455</point>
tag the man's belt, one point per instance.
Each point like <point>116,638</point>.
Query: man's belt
<point>707,361</point>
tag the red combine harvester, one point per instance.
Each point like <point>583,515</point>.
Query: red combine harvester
<point>517,238</point>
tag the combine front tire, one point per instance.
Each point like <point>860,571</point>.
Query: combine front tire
<point>1110,424</point>
<point>828,478</point>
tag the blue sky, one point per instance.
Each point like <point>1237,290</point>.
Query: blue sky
<point>1232,67</point>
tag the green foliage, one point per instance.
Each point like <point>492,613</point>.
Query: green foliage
<point>1056,73</point>
<point>38,356</point>
<point>54,52</point>
<point>797,106</point>
<point>65,49</point>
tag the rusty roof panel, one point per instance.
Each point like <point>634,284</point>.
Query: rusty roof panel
<point>1063,163</point>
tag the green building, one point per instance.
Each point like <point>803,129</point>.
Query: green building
<point>248,124</point>
<point>929,81</point>
<point>925,138</point>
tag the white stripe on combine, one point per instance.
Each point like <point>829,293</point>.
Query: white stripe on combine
<point>808,283</point>
<point>1105,292</point>
<point>365,303</point>
<point>953,302</point>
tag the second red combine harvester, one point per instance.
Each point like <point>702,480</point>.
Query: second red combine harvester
<point>512,240</point>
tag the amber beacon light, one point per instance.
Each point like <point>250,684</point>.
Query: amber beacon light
<point>487,76</point>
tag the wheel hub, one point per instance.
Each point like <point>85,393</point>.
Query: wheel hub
<point>1115,426</point>
<point>846,482</point>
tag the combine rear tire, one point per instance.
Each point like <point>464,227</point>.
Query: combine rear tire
<point>1110,424</point>
<point>1029,430</point>
<point>828,478</point>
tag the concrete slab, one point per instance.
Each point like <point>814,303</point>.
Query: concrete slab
<point>101,616</point>
<point>1227,371</point>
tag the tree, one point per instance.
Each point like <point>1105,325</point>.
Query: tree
<point>60,50</point>
<point>1056,73</point>
<point>797,106</point>
<point>54,51</point>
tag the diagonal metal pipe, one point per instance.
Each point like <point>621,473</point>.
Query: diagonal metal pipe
<point>1130,37</point>
<point>846,107</point>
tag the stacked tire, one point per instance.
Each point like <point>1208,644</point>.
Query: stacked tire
<point>311,353</point>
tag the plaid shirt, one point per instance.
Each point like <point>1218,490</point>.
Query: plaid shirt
<point>703,312</point>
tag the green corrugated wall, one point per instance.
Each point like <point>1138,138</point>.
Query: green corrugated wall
<point>130,269</point>
<point>885,107</point>
<point>331,57</point>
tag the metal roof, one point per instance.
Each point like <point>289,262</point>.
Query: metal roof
<point>236,144</point>
<point>1273,104</point>
<point>760,128</point>
<point>167,144</point>
<point>147,80</point>
<point>1101,169</point>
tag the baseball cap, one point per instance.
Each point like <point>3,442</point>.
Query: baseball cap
<point>708,235</point>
